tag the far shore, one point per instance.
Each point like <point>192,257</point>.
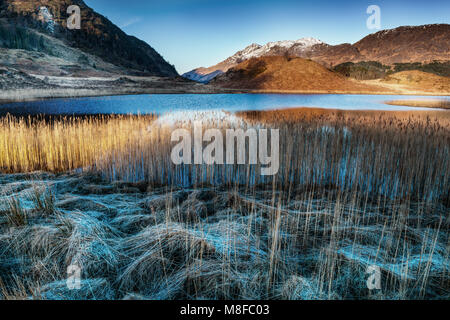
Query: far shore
<point>397,93</point>
<point>23,95</point>
<point>33,94</point>
<point>435,104</point>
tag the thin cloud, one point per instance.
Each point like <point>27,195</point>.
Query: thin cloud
<point>130,22</point>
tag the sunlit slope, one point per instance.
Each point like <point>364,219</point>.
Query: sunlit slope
<point>419,80</point>
<point>285,73</point>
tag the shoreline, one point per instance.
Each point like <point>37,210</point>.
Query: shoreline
<point>379,93</point>
<point>92,93</point>
<point>13,96</point>
<point>432,104</point>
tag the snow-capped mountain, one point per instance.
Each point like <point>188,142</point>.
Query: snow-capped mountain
<point>299,47</point>
<point>255,50</point>
<point>407,44</point>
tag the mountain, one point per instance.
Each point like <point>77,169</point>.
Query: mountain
<point>97,37</point>
<point>298,47</point>
<point>406,44</point>
<point>301,47</point>
<point>286,73</point>
<point>410,44</point>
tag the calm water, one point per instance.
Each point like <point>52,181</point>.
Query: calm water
<point>163,103</point>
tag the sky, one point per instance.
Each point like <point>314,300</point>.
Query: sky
<point>201,33</point>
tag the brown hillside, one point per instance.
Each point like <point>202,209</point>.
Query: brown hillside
<point>407,44</point>
<point>282,73</point>
<point>400,45</point>
<point>419,80</point>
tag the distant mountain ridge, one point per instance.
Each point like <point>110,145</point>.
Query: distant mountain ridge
<point>408,44</point>
<point>98,36</point>
<point>301,47</point>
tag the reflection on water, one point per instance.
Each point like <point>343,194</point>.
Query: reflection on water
<point>163,103</point>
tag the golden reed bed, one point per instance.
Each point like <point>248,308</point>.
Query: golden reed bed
<point>353,149</point>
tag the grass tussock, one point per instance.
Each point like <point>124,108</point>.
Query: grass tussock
<point>14,213</point>
<point>354,190</point>
<point>250,244</point>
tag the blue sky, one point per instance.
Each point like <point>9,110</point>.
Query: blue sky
<point>195,33</point>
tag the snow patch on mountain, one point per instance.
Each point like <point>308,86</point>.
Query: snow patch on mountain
<point>255,50</point>
<point>198,77</point>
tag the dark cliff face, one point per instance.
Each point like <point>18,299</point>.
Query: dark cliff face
<point>97,35</point>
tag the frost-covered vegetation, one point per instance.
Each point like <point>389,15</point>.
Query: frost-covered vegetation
<point>354,190</point>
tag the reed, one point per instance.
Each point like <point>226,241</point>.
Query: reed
<point>355,189</point>
<point>386,154</point>
<point>431,103</point>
